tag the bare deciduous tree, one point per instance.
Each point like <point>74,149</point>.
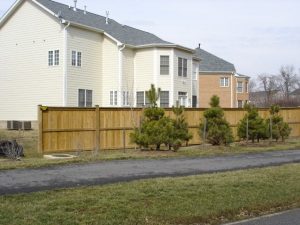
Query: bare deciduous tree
<point>269,85</point>
<point>287,80</point>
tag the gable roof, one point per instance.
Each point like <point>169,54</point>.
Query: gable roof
<point>122,34</point>
<point>212,63</point>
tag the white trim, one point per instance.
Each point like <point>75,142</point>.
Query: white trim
<point>134,82</point>
<point>65,67</point>
<point>46,9</point>
<point>191,78</point>
<point>172,72</point>
<point>9,12</point>
<point>231,92</point>
<point>120,76</point>
<point>155,68</point>
<point>114,39</point>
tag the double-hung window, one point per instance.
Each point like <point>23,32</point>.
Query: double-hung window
<point>140,99</point>
<point>113,98</point>
<point>224,82</point>
<point>164,99</point>
<point>125,98</point>
<point>76,58</point>
<point>239,87</point>
<point>164,65</point>
<point>85,98</point>
<point>53,58</point>
<point>182,67</point>
<point>182,98</point>
<point>50,58</point>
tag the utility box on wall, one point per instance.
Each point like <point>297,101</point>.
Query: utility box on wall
<point>19,125</point>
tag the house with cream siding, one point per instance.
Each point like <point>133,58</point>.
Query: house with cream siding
<point>58,55</point>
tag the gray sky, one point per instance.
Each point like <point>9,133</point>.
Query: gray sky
<point>258,36</point>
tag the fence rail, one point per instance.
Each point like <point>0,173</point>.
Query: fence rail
<point>65,129</point>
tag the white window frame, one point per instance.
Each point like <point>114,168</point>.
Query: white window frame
<point>85,97</point>
<point>125,98</point>
<point>56,57</point>
<point>76,58</point>
<point>240,89</point>
<point>182,70</point>
<point>166,104</point>
<point>50,58</point>
<point>163,66</point>
<point>183,98</point>
<point>223,82</point>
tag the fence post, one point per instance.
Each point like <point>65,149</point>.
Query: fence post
<point>40,129</point>
<point>124,140</point>
<point>204,131</point>
<point>247,130</point>
<point>97,133</point>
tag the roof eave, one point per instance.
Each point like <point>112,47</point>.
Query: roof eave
<point>9,12</point>
<point>214,72</point>
<point>165,46</point>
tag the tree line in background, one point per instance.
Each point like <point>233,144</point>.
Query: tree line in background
<point>157,129</point>
<point>282,89</point>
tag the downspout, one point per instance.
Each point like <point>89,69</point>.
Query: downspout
<point>121,48</point>
<point>65,66</point>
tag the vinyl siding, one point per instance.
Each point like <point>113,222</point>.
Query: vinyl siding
<point>183,84</point>
<point>25,77</point>
<point>88,76</point>
<point>110,70</point>
<point>144,65</point>
<point>128,72</point>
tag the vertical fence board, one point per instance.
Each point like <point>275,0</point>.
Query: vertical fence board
<point>76,129</point>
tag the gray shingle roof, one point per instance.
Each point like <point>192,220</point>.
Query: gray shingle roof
<point>212,63</point>
<point>123,33</point>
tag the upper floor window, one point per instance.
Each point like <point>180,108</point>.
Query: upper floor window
<point>195,71</point>
<point>240,104</point>
<point>56,57</point>
<point>76,58</point>
<point>224,82</point>
<point>50,58</point>
<point>85,98</point>
<point>164,65</point>
<point>164,99</point>
<point>182,67</point>
<point>239,87</point>
<point>53,58</point>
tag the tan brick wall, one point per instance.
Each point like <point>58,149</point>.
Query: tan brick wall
<point>209,85</point>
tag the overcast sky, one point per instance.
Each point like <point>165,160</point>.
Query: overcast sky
<point>258,36</point>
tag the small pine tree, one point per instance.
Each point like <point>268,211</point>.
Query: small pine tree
<point>179,132</point>
<point>218,131</point>
<point>155,126</point>
<point>257,128</point>
<point>280,129</point>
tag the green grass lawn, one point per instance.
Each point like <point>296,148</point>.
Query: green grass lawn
<point>204,199</point>
<point>33,159</point>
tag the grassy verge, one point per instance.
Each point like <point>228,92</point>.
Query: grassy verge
<point>205,199</point>
<point>33,159</point>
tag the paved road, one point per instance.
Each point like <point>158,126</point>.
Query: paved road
<point>291,217</point>
<point>31,180</point>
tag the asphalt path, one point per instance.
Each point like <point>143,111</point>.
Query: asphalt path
<point>74,175</point>
<point>291,217</point>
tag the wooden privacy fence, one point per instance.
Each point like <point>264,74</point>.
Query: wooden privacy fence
<point>74,129</point>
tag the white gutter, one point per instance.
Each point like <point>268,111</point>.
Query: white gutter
<point>65,66</point>
<point>120,94</point>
